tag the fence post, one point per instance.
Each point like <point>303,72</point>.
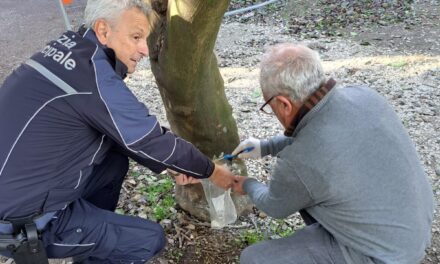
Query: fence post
<point>64,14</point>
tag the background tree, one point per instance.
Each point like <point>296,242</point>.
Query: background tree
<point>185,67</point>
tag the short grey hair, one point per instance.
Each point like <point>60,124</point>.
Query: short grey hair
<point>291,69</point>
<point>110,10</point>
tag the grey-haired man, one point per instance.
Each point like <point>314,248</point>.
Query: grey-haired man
<point>346,163</point>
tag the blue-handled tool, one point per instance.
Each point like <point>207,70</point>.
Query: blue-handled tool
<point>231,157</point>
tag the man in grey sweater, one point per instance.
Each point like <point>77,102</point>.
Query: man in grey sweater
<point>346,163</point>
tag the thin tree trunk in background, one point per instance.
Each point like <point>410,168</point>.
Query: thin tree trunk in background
<point>185,67</point>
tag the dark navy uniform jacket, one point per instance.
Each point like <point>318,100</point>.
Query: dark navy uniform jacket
<point>61,112</point>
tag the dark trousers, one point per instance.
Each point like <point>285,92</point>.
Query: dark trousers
<point>91,232</point>
<point>105,185</point>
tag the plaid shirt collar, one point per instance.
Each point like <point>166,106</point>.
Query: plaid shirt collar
<point>309,103</point>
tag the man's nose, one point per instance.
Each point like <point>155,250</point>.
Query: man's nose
<point>143,48</point>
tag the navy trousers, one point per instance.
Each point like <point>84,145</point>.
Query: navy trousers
<point>91,232</point>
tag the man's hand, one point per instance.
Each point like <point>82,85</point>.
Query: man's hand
<point>182,179</point>
<point>222,177</point>
<point>250,142</point>
<point>238,185</point>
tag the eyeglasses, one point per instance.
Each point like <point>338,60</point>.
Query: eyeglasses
<point>265,108</point>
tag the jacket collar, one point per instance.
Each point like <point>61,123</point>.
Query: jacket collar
<point>308,105</point>
<point>120,68</point>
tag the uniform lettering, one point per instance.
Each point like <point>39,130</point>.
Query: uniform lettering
<point>66,57</point>
<point>60,57</point>
<point>66,42</point>
<point>70,64</point>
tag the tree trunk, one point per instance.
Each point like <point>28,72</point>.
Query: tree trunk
<point>185,67</point>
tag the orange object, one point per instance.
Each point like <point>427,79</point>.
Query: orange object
<point>67,2</point>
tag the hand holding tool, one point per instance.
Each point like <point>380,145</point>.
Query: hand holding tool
<point>233,156</point>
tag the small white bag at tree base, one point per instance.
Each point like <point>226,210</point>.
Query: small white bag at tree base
<point>221,207</point>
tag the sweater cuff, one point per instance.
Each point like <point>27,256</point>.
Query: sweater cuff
<point>248,183</point>
<point>264,145</point>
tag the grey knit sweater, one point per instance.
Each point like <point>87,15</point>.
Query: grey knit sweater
<point>352,166</point>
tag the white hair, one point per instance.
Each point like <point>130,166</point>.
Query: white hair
<point>110,10</point>
<point>291,70</point>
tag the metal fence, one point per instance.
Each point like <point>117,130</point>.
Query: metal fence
<point>73,10</point>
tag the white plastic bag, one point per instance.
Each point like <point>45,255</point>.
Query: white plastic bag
<point>221,207</point>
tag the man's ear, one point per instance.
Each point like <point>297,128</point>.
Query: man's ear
<point>285,105</point>
<point>287,110</point>
<point>102,30</point>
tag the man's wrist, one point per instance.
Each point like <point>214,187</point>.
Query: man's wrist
<point>247,184</point>
<point>264,147</point>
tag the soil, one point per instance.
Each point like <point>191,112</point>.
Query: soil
<point>399,60</point>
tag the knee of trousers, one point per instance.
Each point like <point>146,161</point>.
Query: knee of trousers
<point>161,239</point>
<point>139,245</point>
<point>155,241</point>
<point>247,256</point>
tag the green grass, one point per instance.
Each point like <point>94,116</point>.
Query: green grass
<point>250,237</point>
<point>256,93</point>
<point>279,228</point>
<point>398,64</point>
<point>276,229</point>
<point>175,254</point>
<point>159,196</point>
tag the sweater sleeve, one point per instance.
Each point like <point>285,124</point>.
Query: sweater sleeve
<point>274,145</point>
<point>284,195</point>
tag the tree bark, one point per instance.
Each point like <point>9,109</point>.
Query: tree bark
<point>185,67</point>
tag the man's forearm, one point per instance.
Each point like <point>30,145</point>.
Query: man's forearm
<point>260,195</point>
<point>274,145</point>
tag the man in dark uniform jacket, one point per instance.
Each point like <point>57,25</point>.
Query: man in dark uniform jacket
<point>68,124</point>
